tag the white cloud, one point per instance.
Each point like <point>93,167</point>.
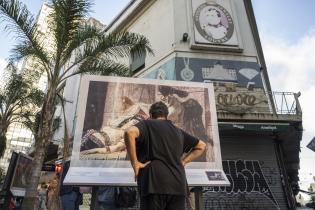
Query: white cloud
<point>294,60</point>
<point>291,67</point>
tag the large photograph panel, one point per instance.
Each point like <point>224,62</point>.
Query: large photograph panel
<point>111,108</point>
<point>108,106</point>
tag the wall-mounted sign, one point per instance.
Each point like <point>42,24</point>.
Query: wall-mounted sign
<point>214,23</point>
<point>311,145</point>
<point>254,127</point>
<point>22,174</point>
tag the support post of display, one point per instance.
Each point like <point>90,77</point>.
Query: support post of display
<point>199,204</point>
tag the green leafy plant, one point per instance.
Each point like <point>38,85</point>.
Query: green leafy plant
<point>18,99</point>
<point>76,48</point>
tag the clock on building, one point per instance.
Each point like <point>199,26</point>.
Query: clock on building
<point>214,23</point>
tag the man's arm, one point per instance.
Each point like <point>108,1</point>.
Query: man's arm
<point>130,140</point>
<point>194,153</point>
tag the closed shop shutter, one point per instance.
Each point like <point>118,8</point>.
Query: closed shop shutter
<point>250,163</point>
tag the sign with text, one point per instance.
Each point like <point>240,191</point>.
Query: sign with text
<point>109,105</point>
<point>22,174</point>
<point>311,145</point>
<point>257,127</point>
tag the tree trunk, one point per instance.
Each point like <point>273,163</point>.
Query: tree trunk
<point>3,138</point>
<point>44,135</point>
<point>3,143</point>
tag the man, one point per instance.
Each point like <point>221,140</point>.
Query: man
<point>156,149</point>
<point>69,195</point>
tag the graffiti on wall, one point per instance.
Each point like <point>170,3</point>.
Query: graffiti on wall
<point>248,186</point>
<point>236,202</point>
<point>230,99</point>
<point>239,100</point>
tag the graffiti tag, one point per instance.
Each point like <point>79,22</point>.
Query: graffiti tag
<point>239,99</point>
<point>245,177</point>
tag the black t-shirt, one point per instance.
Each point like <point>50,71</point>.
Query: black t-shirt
<point>162,143</point>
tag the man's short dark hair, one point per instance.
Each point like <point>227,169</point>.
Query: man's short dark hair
<point>158,109</point>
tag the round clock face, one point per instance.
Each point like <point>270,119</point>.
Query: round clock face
<point>214,23</point>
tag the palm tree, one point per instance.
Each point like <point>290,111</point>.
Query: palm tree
<point>31,121</point>
<point>17,98</point>
<point>2,175</point>
<point>77,48</point>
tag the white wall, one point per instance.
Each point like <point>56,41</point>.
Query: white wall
<point>183,23</point>
<point>157,24</point>
<point>70,93</point>
<point>164,23</point>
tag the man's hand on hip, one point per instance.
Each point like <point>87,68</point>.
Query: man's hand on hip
<point>137,166</point>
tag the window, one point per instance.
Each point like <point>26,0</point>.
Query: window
<point>137,63</point>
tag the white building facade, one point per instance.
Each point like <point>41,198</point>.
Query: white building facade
<point>217,41</point>
<point>19,138</point>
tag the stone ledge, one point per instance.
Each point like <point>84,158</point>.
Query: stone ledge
<point>224,116</point>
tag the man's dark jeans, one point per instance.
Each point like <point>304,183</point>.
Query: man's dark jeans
<point>69,201</point>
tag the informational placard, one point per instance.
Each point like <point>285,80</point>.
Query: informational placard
<point>108,106</point>
<point>10,171</point>
<point>311,145</point>
<point>22,173</point>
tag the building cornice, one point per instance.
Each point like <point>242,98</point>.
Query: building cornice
<point>125,17</point>
<point>254,29</point>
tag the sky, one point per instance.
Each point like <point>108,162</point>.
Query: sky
<point>287,33</point>
<point>103,10</point>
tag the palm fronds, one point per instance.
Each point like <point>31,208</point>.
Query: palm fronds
<point>20,22</point>
<point>18,101</point>
<point>66,18</point>
<point>85,33</point>
<point>76,48</point>
<point>94,54</point>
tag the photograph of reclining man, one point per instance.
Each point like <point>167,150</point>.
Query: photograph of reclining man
<point>113,107</point>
